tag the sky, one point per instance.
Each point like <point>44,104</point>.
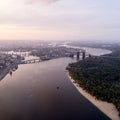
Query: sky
<point>60,20</point>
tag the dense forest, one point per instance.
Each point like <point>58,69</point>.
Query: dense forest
<point>100,77</point>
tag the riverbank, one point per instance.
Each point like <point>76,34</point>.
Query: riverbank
<point>107,108</point>
<point>5,71</point>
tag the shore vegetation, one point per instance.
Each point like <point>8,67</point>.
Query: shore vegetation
<point>100,77</point>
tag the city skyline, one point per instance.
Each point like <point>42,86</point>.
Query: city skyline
<point>59,20</point>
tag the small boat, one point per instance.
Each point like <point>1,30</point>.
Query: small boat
<point>57,87</point>
<point>11,73</point>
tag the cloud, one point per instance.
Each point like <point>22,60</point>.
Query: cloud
<point>42,1</point>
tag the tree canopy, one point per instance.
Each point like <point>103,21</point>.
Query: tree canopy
<point>99,77</point>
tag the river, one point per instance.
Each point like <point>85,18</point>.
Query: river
<point>31,94</point>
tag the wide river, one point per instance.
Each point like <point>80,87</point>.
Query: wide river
<point>31,94</point>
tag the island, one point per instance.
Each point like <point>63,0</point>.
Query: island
<point>99,76</point>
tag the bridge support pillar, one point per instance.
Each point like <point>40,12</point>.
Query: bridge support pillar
<point>78,55</point>
<point>90,55</point>
<point>83,55</point>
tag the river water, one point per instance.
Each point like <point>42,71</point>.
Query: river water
<point>31,94</point>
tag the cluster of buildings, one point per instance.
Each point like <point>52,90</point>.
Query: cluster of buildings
<point>6,60</point>
<point>53,52</point>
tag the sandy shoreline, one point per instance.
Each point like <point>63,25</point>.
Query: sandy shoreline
<point>107,108</point>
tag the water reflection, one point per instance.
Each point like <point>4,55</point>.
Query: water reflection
<point>31,94</point>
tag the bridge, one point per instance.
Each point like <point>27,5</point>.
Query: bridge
<point>78,52</point>
<point>31,61</point>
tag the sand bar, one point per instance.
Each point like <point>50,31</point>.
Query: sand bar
<point>107,108</point>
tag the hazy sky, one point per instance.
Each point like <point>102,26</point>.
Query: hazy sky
<point>59,19</point>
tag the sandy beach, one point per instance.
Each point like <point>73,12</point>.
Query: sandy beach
<point>107,108</point>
